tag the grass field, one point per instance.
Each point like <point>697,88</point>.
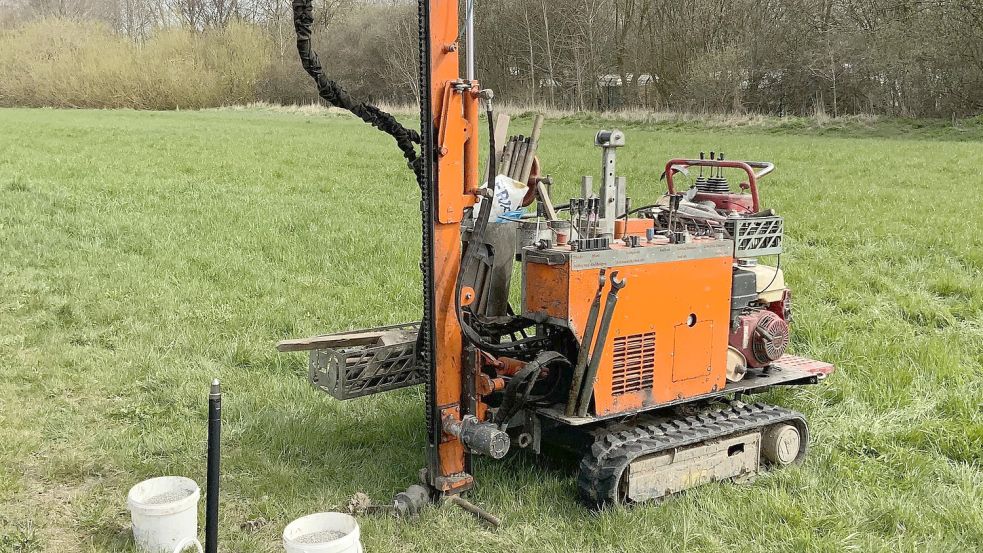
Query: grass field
<point>145,253</point>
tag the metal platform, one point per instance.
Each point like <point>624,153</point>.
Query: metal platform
<point>362,363</point>
<point>789,370</point>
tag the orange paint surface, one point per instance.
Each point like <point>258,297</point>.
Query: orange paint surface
<point>636,227</point>
<point>668,335</point>
<point>452,128</point>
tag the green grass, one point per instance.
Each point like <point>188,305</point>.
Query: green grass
<point>145,253</point>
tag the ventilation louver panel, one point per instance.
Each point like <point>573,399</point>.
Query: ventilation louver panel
<point>756,236</point>
<point>634,363</point>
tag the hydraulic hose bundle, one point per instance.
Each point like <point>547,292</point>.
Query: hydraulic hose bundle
<point>406,140</point>
<point>337,96</point>
<point>470,256</point>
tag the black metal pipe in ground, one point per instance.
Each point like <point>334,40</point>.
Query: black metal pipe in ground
<point>214,459</point>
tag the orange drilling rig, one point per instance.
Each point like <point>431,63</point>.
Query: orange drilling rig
<point>641,331</point>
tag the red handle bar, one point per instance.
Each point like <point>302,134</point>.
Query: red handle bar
<point>747,166</point>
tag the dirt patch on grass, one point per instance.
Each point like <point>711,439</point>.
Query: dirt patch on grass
<point>46,516</point>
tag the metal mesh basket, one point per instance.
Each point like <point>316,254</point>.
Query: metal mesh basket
<point>755,236</point>
<point>359,370</point>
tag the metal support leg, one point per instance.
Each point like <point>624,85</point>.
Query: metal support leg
<point>609,141</point>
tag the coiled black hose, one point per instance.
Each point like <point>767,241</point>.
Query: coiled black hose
<point>334,94</point>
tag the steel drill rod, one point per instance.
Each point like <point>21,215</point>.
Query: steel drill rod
<point>585,218</point>
<point>579,206</point>
<point>469,38</point>
<point>516,158</point>
<point>475,510</point>
<point>602,335</point>
<point>520,160</point>
<point>214,461</point>
<point>516,150</point>
<point>595,216</point>
<point>537,130</point>
<point>507,156</point>
<point>584,352</point>
<point>506,161</point>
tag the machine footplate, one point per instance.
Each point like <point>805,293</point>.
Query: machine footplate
<point>681,453</point>
<point>788,371</point>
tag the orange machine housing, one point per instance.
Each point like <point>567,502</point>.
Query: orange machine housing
<point>668,336</point>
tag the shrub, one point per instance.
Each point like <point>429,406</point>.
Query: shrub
<point>61,63</point>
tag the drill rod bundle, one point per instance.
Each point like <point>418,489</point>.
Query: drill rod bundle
<point>520,153</point>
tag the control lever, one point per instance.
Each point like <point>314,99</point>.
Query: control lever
<point>602,335</point>
<point>582,355</point>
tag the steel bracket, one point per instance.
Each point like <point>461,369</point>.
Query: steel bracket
<point>452,135</point>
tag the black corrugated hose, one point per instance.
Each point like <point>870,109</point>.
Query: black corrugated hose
<point>335,95</point>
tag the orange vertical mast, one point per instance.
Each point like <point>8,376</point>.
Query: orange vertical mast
<point>455,151</point>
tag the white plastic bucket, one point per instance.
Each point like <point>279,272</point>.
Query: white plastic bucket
<point>297,536</point>
<point>164,512</point>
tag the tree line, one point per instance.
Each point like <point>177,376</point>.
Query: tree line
<point>919,58</point>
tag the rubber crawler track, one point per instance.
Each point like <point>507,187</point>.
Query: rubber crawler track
<point>603,465</point>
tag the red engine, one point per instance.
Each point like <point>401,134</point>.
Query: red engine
<point>716,190</point>
<point>761,337</point>
<point>726,201</point>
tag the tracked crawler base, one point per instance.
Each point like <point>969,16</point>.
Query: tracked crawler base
<point>653,459</point>
<point>627,313</point>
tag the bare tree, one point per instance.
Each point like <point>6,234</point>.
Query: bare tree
<point>402,54</point>
<point>72,9</point>
<point>915,57</point>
